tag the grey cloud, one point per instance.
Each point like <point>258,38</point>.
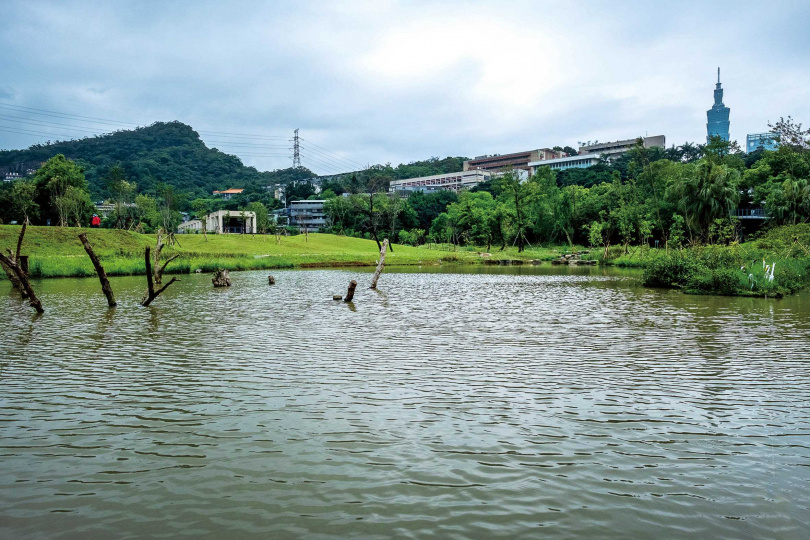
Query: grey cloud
<point>619,69</point>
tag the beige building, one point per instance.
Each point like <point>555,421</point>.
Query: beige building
<point>614,148</point>
<point>516,160</point>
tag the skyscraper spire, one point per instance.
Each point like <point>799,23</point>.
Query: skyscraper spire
<point>717,117</point>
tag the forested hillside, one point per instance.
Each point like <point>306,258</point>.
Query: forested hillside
<point>165,152</point>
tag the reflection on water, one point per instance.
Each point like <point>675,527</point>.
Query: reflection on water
<point>482,402</point>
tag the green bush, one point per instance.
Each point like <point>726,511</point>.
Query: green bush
<point>723,281</point>
<point>671,271</point>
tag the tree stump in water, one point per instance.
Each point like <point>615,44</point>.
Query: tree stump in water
<point>102,275</point>
<point>151,292</point>
<point>221,279</point>
<point>271,280</point>
<point>350,292</point>
<point>380,265</point>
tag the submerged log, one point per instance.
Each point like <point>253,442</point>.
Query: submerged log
<point>380,265</point>
<point>151,293</point>
<point>102,275</point>
<point>221,278</point>
<point>337,297</point>
<point>350,292</point>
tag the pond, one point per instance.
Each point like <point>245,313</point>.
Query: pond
<point>467,402</point>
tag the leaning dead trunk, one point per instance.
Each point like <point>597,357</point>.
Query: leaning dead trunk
<point>12,277</point>
<point>102,275</point>
<point>16,257</point>
<point>25,285</point>
<point>151,293</point>
<point>350,292</point>
<point>380,265</point>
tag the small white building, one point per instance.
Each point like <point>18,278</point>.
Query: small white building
<point>571,162</point>
<point>223,221</point>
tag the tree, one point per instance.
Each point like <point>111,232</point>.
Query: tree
<point>53,180</point>
<point>261,213</point>
<point>201,208</point>
<point>23,195</point>
<point>122,193</point>
<point>707,192</point>
<point>169,208</point>
<point>790,133</point>
<point>789,202</point>
<point>517,196</point>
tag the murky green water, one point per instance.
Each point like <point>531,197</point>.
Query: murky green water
<point>490,403</point>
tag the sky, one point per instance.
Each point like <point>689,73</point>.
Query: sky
<point>394,82</point>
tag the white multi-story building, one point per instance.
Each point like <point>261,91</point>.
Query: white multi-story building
<point>571,162</point>
<point>449,181</point>
<point>308,214</point>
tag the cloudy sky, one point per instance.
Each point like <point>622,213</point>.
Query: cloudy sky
<point>375,82</point>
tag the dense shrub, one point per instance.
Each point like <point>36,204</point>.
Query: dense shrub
<point>724,281</point>
<point>671,271</point>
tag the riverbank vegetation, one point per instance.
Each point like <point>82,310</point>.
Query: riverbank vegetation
<point>57,252</point>
<point>687,214</point>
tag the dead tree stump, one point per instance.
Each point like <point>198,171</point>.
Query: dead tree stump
<point>13,262</point>
<point>102,275</point>
<point>350,292</point>
<point>12,277</point>
<point>380,265</point>
<point>271,280</point>
<point>151,293</point>
<point>221,278</point>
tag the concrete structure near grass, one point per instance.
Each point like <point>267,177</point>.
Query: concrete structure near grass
<point>224,222</point>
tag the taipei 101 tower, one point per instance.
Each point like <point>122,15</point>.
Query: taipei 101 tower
<point>717,116</point>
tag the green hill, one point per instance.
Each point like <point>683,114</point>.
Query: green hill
<point>168,152</point>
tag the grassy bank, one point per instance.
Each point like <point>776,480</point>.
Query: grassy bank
<point>734,270</point>
<point>57,252</point>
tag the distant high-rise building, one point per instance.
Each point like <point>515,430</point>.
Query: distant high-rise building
<point>766,141</point>
<point>717,116</point>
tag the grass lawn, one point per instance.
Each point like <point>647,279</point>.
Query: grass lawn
<point>57,252</point>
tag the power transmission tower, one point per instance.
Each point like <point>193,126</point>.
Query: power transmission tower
<point>296,152</point>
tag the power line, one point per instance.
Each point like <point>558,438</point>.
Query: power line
<point>323,155</point>
<point>90,125</point>
<point>329,168</point>
<point>333,153</point>
<point>75,117</point>
<point>320,159</point>
<point>48,124</point>
<point>38,133</point>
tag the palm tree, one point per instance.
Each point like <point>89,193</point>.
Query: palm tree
<point>710,193</point>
